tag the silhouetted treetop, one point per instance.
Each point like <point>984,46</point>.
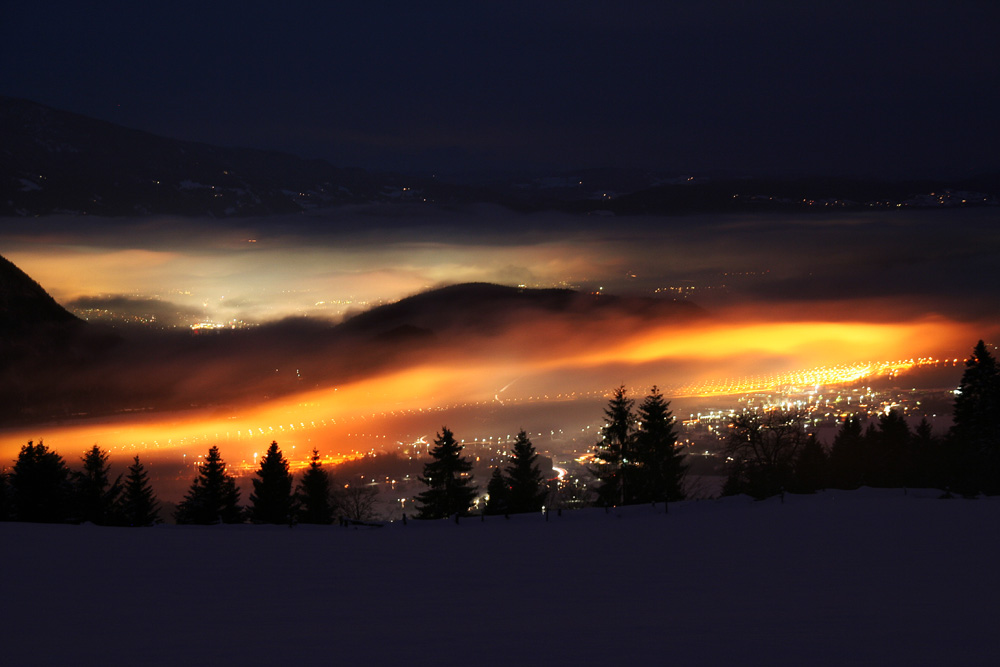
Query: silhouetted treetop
<point>213,497</point>
<point>315,503</point>
<point>40,486</point>
<point>138,506</point>
<point>271,500</point>
<point>450,489</point>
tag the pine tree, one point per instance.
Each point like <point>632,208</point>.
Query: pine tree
<point>613,454</point>
<point>138,506</point>
<point>661,465</point>
<point>975,435</point>
<point>315,503</point>
<point>96,496</point>
<point>527,485</point>
<point>449,488</point>
<point>213,497</point>
<point>39,486</point>
<point>498,491</point>
<point>271,499</point>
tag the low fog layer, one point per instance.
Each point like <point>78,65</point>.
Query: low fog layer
<point>329,264</point>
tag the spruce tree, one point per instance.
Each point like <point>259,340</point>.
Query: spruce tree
<point>449,487</point>
<point>138,506</point>
<point>40,489</point>
<point>811,467</point>
<point>975,435</point>
<point>4,499</point>
<point>870,458</point>
<point>213,497</point>
<point>891,451</point>
<point>527,485</point>
<point>315,503</point>
<point>498,491</point>
<point>847,455</point>
<point>928,458</point>
<point>616,465</point>
<point>661,467</point>
<point>271,498</point>
<point>96,496</point>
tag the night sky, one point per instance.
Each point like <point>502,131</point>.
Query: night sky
<point>895,89</point>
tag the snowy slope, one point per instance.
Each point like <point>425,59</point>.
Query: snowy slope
<point>841,578</point>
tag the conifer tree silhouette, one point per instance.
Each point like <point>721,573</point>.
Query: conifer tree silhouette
<point>40,489</point>
<point>661,468</point>
<point>498,490</point>
<point>975,435</point>
<point>614,453</point>
<point>811,467</point>
<point>4,497</point>
<point>847,455</point>
<point>271,499</point>
<point>891,451</point>
<point>929,461</point>
<point>315,502</point>
<point>138,506</point>
<point>96,496</point>
<point>525,480</point>
<point>213,497</point>
<point>449,488</point>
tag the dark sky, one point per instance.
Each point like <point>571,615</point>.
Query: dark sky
<point>896,89</point>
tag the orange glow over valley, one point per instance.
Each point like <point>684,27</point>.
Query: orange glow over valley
<point>723,357</point>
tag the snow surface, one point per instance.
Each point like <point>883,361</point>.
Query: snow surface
<point>869,577</point>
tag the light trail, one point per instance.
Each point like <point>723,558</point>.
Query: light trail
<point>819,377</point>
<point>496,396</point>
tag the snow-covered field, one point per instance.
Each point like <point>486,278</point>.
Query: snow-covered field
<point>869,577</point>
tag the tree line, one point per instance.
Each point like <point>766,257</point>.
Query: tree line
<point>637,460</point>
<point>41,488</point>
<point>771,452</point>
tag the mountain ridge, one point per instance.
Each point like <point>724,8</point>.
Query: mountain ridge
<point>25,305</point>
<point>58,162</point>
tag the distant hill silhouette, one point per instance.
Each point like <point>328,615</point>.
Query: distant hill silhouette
<point>481,307</point>
<point>59,162</point>
<point>813,195</point>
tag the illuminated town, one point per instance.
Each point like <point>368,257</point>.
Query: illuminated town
<point>388,448</point>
